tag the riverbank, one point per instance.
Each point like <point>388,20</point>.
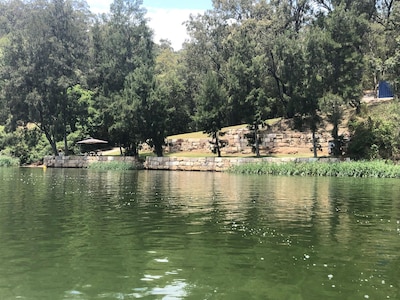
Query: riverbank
<point>214,164</point>
<point>220,164</point>
<point>288,166</point>
<point>365,169</point>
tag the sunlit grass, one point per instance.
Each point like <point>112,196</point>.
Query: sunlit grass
<point>201,135</point>
<point>113,152</point>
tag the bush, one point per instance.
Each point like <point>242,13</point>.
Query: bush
<point>375,134</point>
<point>27,144</point>
<point>7,161</point>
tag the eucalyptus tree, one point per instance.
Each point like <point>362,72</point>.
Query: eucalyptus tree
<point>45,56</point>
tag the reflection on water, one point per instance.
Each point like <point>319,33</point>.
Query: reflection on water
<point>81,234</point>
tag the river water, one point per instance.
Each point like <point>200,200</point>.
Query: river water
<point>84,234</point>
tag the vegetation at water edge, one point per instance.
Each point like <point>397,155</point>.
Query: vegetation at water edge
<point>7,161</point>
<point>373,169</point>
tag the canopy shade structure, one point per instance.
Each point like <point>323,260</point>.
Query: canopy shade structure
<point>92,141</point>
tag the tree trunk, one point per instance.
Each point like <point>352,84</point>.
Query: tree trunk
<point>315,150</point>
<point>65,143</point>
<point>217,144</point>
<point>51,141</point>
<point>158,149</point>
<point>257,144</point>
<point>335,135</point>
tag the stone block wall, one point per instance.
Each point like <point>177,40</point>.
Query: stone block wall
<point>285,141</point>
<point>216,163</point>
<point>82,161</point>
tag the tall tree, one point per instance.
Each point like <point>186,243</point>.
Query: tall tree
<point>205,52</point>
<point>148,103</point>
<point>170,78</point>
<point>211,113</point>
<point>44,58</point>
<point>247,81</point>
<point>121,43</point>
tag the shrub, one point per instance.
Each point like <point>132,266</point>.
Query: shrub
<point>7,161</point>
<point>375,134</point>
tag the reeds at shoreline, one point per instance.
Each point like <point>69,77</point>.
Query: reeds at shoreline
<point>372,169</point>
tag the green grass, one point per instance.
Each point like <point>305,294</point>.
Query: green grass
<point>201,135</point>
<point>372,169</point>
<point>6,161</point>
<point>113,152</point>
<point>114,166</point>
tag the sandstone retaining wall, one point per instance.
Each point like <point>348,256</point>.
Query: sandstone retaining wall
<point>216,163</point>
<point>82,161</point>
<point>289,142</point>
<point>172,163</point>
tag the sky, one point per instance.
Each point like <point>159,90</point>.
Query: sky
<point>165,16</point>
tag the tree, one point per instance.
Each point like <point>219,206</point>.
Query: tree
<point>44,58</point>
<point>211,112</point>
<point>148,104</point>
<point>247,81</point>
<point>333,106</point>
<point>121,43</point>
<point>169,77</point>
<point>205,52</point>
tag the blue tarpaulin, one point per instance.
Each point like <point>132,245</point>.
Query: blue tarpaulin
<point>384,90</point>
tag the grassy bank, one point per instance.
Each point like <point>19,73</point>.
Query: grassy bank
<point>376,169</point>
<point>114,165</point>
<point>6,161</point>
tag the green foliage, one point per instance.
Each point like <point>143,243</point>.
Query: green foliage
<point>28,145</point>
<point>148,105</point>
<point>211,113</point>
<point>169,78</point>
<point>45,56</point>
<point>376,169</point>
<point>376,133</point>
<point>121,45</point>
<point>7,161</point>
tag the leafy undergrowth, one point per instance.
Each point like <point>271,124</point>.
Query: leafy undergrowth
<point>7,161</point>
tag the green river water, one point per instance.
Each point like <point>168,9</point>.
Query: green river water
<point>84,234</point>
